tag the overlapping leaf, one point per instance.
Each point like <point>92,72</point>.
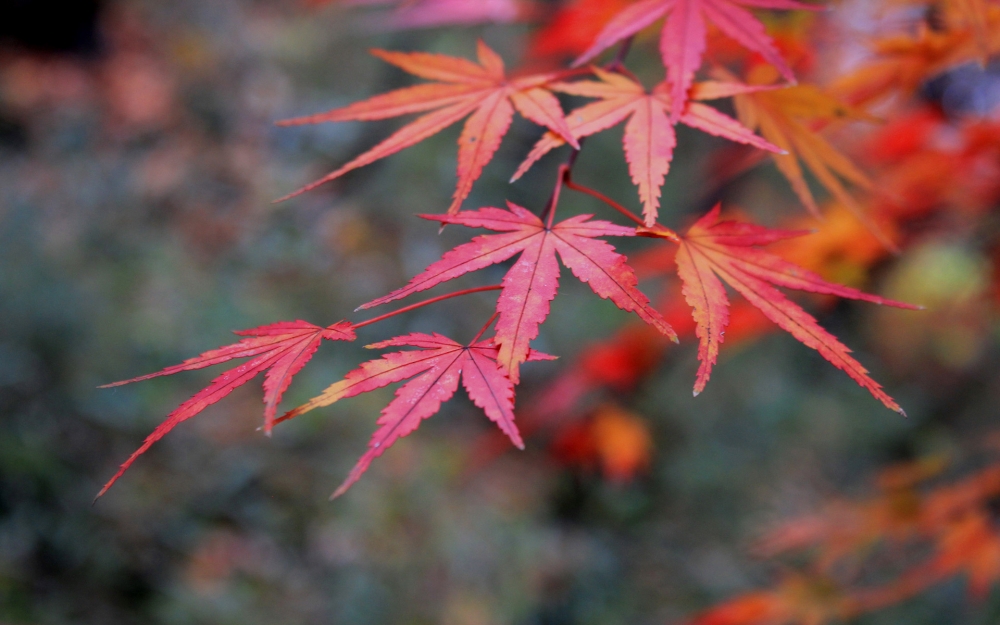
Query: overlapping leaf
<point>480,92</point>
<point>649,134</point>
<point>682,43</point>
<point>439,364</point>
<point>904,62</point>
<point>957,520</point>
<point>532,282</point>
<point>279,349</point>
<point>728,250</point>
<point>789,118</point>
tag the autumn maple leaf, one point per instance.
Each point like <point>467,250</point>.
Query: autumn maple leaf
<point>463,89</point>
<point>791,118</point>
<point>898,514</point>
<point>682,43</point>
<point>962,517</point>
<point>532,282</point>
<point>649,138</point>
<point>969,545</point>
<point>281,349</point>
<point>714,249</point>
<point>438,364</point>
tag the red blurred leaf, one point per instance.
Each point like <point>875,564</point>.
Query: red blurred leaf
<point>573,27</point>
<point>407,14</point>
<point>797,600</point>
<point>612,439</point>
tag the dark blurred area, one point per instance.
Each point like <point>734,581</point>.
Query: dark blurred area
<point>138,164</point>
<point>66,27</point>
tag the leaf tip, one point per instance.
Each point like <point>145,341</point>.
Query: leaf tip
<point>341,489</point>
<point>695,393</point>
<point>287,197</point>
<point>104,490</point>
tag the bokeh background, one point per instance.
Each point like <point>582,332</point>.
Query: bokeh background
<point>138,161</point>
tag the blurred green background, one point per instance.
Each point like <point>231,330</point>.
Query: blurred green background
<point>138,161</point>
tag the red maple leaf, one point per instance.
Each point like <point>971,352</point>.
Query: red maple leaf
<point>714,249</point>
<point>682,43</point>
<point>532,282</point>
<point>649,138</point>
<point>463,88</point>
<point>281,349</point>
<point>440,363</point>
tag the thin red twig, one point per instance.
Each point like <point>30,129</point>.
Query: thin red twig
<point>433,300</point>
<point>485,327</point>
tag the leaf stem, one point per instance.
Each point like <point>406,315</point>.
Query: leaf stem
<point>600,196</point>
<point>433,300</point>
<point>617,64</point>
<point>549,213</point>
<point>485,327</point>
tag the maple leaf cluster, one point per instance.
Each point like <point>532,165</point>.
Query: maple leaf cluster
<point>917,531</point>
<point>711,51</point>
